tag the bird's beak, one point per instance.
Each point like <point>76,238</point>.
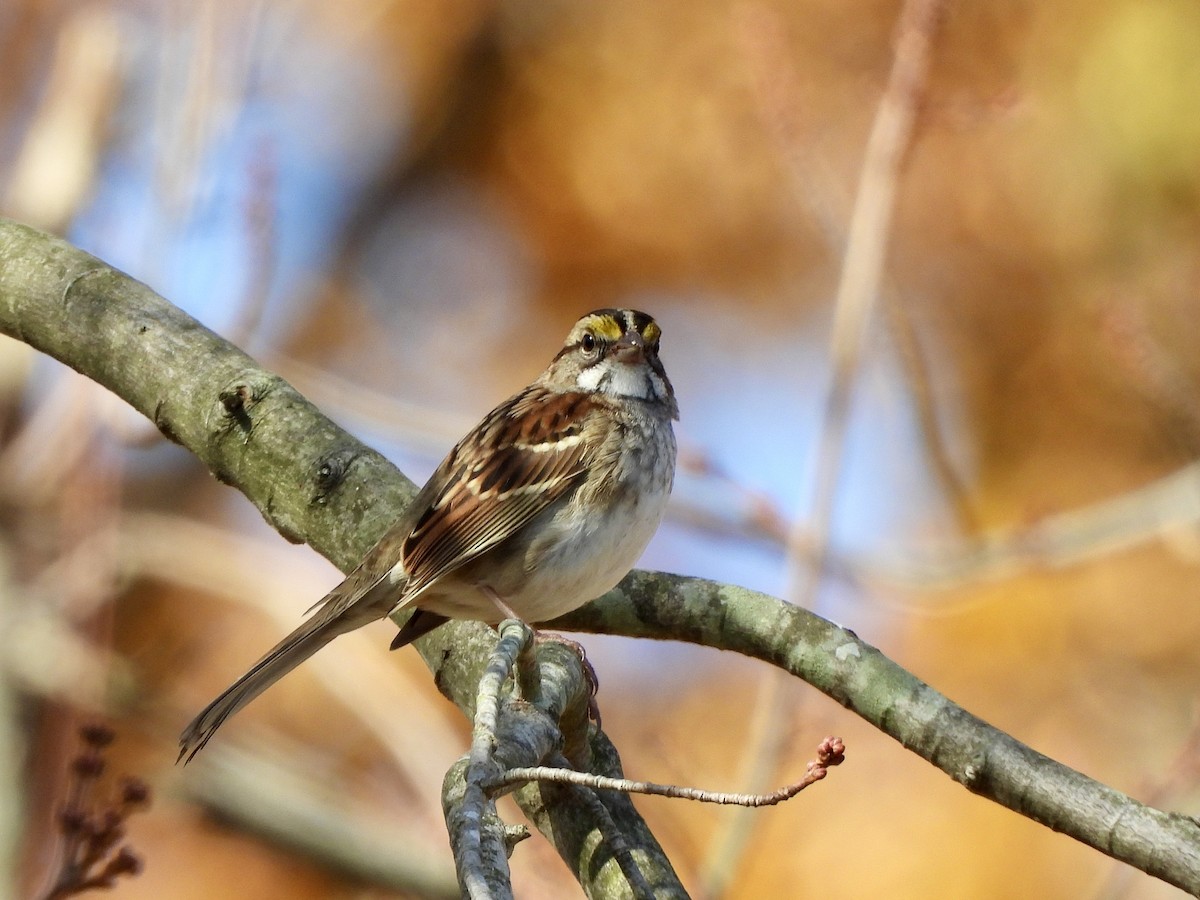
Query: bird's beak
<point>630,349</point>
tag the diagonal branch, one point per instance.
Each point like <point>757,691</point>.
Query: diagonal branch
<point>837,662</point>
<point>313,481</point>
<point>309,479</point>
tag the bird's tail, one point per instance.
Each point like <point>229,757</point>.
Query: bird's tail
<point>344,611</point>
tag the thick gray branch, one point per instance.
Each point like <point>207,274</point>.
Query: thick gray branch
<point>972,752</point>
<point>315,483</point>
<point>311,480</point>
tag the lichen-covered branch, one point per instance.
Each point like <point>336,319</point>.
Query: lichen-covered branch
<point>477,834</point>
<point>518,728</point>
<point>314,482</point>
<point>553,708</point>
<point>837,662</point>
<point>311,480</point>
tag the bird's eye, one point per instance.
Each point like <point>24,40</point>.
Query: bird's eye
<point>588,342</point>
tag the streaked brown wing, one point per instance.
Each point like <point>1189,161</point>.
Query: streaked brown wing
<point>473,505</point>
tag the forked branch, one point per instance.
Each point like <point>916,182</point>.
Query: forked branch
<point>315,483</point>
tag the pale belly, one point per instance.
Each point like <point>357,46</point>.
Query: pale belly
<point>588,560</point>
<point>563,558</point>
<point>574,560</point>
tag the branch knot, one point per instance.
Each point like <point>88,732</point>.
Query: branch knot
<point>239,397</point>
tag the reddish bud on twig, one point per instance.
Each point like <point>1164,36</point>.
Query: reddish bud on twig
<point>134,791</point>
<point>126,862</point>
<point>97,735</point>
<point>92,827</point>
<point>88,765</point>
<point>831,751</point>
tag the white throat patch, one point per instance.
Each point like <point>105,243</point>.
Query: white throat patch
<point>620,380</point>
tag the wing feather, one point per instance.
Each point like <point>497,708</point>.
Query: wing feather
<point>539,456</point>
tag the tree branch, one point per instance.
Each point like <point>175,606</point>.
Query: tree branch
<point>834,660</point>
<point>312,481</point>
<point>309,479</point>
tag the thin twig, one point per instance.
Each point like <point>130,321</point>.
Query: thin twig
<point>858,289</point>
<point>830,752</point>
<point>68,304</point>
<point>93,853</point>
<point>478,847</point>
<point>916,369</point>
<point>1066,538</point>
<point>778,92</point>
<point>260,210</point>
<point>515,636</point>
<point>862,265</point>
<point>1063,539</point>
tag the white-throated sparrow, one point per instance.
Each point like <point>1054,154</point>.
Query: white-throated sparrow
<point>543,506</point>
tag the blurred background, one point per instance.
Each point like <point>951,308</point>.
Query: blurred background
<point>402,207</point>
